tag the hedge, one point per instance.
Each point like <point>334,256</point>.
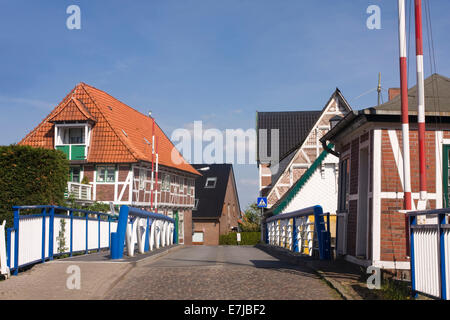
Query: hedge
<point>31,176</point>
<point>247,238</point>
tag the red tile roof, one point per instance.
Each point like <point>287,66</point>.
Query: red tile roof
<point>118,134</point>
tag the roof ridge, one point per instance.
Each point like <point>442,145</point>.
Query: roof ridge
<point>109,124</point>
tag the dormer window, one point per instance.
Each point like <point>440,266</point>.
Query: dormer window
<point>72,139</point>
<point>211,182</point>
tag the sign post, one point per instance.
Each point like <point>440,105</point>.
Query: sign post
<point>262,203</point>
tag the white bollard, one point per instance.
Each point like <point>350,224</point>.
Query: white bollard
<point>131,236</point>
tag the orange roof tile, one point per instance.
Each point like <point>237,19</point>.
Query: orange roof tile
<point>73,110</point>
<point>119,134</point>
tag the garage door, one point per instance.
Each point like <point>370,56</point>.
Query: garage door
<point>197,238</point>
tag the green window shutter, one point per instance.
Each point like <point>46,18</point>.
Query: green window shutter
<point>78,152</point>
<point>65,149</point>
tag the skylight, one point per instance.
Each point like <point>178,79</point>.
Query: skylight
<point>124,133</point>
<point>211,182</point>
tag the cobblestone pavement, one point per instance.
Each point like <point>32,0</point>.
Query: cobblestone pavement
<point>223,273</point>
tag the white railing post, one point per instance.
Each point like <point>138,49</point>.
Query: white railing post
<point>3,267</point>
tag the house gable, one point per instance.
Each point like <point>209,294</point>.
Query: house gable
<point>308,151</point>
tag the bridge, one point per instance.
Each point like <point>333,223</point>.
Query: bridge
<point>139,260</point>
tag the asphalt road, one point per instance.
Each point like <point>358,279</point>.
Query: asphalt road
<point>222,273</point>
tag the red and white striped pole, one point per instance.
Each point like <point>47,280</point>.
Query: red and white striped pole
<point>420,99</point>
<point>404,101</point>
<point>156,180</point>
<point>153,161</point>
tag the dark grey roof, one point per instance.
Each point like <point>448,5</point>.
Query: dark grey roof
<point>437,98</point>
<point>210,200</point>
<point>293,126</point>
<point>437,104</point>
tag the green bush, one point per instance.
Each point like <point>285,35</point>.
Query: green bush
<point>31,176</point>
<point>247,239</point>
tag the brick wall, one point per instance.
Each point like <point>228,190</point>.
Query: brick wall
<point>210,231</point>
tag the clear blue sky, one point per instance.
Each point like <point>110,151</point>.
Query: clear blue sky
<point>210,60</point>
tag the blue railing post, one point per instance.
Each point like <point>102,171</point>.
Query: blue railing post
<point>441,221</point>
<point>8,247</point>
<point>51,230</point>
<point>109,232</point>
<point>16,241</point>
<point>412,222</point>
<point>117,245</point>
<point>87,238</point>
<point>71,233</point>
<point>294,236</point>
<point>98,217</point>
<point>147,232</point>
<point>44,214</point>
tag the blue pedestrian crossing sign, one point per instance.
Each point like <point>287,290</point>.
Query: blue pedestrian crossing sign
<point>262,202</point>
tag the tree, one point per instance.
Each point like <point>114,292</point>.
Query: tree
<point>251,220</point>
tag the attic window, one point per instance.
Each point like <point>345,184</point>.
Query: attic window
<point>204,169</point>
<point>196,204</point>
<point>124,133</point>
<point>110,108</point>
<point>211,182</point>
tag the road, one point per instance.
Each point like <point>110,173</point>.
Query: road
<point>184,273</point>
<point>223,273</point>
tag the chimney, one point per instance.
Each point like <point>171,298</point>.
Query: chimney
<point>394,92</point>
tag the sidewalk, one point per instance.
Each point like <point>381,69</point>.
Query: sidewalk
<point>98,275</point>
<point>345,277</point>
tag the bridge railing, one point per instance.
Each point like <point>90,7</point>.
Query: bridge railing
<point>296,231</point>
<point>39,237</point>
<point>430,252</point>
<point>148,229</point>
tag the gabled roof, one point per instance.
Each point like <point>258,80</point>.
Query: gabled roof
<point>73,110</point>
<point>120,134</point>
<point>293,126</point>
<point>211,200</point>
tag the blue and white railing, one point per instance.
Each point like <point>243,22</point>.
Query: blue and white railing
<point>55,231</point>
<point>296,231</point>
<point>149,230</point>
<point>430,252</point>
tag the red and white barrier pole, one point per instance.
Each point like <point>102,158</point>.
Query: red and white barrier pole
<point>404,101</point>
<point>153,161</point>
<point>420,99</point>
<point>156,173</point>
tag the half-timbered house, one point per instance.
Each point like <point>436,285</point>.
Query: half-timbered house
<point>372,229</point>
<point>112,149</point>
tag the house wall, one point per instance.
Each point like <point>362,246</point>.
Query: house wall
<point>312,193</point>
<point>387,241</point>
<point>178,196</point>
<point>211,231</point>
<point>230,209</point>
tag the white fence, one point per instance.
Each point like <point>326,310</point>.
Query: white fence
<point>80,191</point>
<point>430,253</point>
<point>39,237</point>
<point>55,231</point>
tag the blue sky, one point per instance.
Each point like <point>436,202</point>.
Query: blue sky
<point>210,60</point>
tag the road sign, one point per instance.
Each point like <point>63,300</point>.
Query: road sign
<point>262,202</point>
<point>238,237</point>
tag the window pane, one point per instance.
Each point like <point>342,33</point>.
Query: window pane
<point>110,174</point>
<point>101,174</point>
<point>74,174</point>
